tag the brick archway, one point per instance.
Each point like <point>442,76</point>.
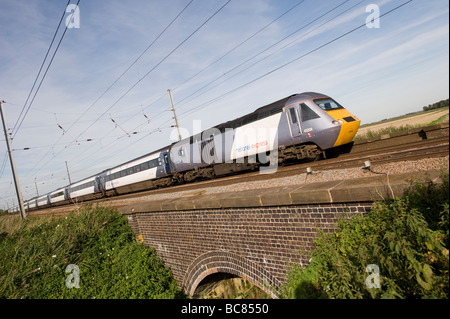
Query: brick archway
<point>220,261</point>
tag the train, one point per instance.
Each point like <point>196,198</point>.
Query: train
<point>300,127</point>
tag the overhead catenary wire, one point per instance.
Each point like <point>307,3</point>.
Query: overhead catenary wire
<point>271,54</point>
<point>109,88</point>
<point>266,49</point>
<point>42,65</point>
<point>296,59</point>
<point>230,51</point>
<point>151,70</point>
<point>240,44</point>
<point>291,61</point>
<point>20,121</point>
<point>156,66</point>
<point>131,65</point>
<point>246,40</point>
<point>254,56</point>
<point>3,166</point>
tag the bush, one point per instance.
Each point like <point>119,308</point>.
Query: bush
<point>407,239</point>
<point>100,242</point>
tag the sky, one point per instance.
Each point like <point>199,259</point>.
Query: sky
<point>104,101</point>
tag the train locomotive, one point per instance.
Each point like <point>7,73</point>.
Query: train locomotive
<point>303,126</point>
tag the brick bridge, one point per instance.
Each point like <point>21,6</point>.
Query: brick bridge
<point>254,234</point>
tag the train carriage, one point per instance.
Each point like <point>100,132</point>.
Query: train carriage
<point>32,204</point>
<point>137,174</point>
<point>58,195</point>
<point>83,190</point>
<point>43,201</point>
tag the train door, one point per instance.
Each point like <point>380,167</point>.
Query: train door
<point>294,120</point>
<point>100,184</point>
<point>67,193</point>
<point>166,161</point>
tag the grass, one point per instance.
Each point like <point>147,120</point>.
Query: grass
<point>35,253</point>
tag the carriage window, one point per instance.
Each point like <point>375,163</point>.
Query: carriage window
<point>328,104</point>
<point>144,166</point>
<point>293,115</point>
<point>307,113</point>
<point>57,194</point>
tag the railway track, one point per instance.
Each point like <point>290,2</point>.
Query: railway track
<point>409,147</point>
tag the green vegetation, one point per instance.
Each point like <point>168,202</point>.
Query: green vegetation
<point>35,253</point>
<point>406,238</point>
<point>385,131</point>
<point>437,105</point>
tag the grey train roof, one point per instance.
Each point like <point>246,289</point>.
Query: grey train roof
<point>268,110</point>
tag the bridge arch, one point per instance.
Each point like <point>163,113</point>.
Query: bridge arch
<point>220,261</point>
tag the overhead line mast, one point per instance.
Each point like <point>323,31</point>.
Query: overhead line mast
<point>174,114</point>
<point>13,166</point>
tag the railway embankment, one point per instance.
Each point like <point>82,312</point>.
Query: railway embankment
<point>373,187</point>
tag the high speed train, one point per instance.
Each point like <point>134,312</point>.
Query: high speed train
<point>302,126</point>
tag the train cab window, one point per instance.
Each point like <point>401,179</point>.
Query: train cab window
<point>307,113</point>
<point>328,104</point>
<point>293,115</point>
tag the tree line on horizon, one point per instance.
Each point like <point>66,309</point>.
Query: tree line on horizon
<point>437,105</point>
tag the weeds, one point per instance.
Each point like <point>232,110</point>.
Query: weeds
<point>33,259</point>
<point>406,238</point>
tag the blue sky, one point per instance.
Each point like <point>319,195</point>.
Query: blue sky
<point>376,73</point>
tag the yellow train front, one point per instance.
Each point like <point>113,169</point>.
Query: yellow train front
<point>349,124</point>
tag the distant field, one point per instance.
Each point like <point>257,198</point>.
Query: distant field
<point>407,121</point>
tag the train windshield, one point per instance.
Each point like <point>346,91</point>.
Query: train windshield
<point>328,104</point>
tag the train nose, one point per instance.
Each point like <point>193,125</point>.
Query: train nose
<point>347,133</point>
<point>349,125</point>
